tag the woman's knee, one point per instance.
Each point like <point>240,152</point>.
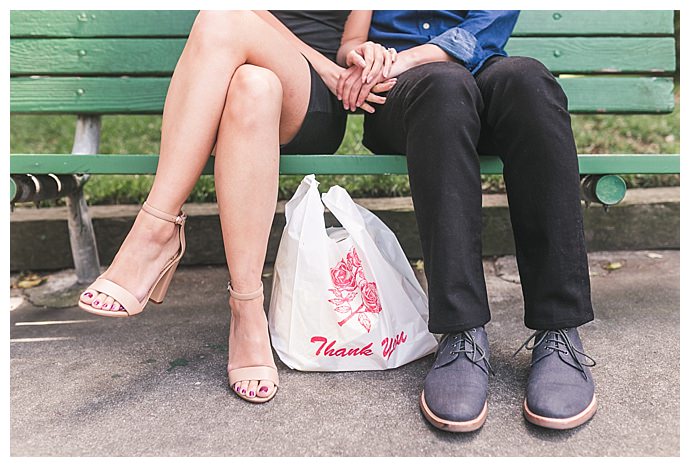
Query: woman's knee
<point>255,93</point>
<point>216,30</point>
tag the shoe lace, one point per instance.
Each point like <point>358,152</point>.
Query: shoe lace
<point>558,340</point>
<point>462,339</point>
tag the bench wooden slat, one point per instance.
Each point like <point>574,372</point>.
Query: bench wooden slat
<point>325,164</point>
<point>147,23</point>
<point>124,95</point>
<point>159,56</point>
<point>594,23</point>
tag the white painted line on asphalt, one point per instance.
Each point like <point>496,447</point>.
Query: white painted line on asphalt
<point>40,339</point>
<point>15,302</point>
<point>44,323</point>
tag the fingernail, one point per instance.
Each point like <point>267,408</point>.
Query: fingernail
<point>263,389</point>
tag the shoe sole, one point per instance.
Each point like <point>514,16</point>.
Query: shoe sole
<point>96,311</point>
<point>450,425</point>
<point>561,423</point>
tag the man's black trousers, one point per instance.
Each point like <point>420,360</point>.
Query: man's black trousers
<point>441,117</point>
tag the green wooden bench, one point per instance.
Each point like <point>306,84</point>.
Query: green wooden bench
<point>93,63</point>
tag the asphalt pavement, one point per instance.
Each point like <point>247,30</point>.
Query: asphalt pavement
<point>156,384</point>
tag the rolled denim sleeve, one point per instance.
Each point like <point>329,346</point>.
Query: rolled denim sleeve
<point>481,35</point>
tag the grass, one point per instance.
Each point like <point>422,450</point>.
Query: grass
<point>141,134</point>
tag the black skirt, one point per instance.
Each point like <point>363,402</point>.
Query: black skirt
<point>323,127</point>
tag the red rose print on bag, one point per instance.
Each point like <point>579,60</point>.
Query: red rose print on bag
<point>343,277</point>
<point>349,281</point>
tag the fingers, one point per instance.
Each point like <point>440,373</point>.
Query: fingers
<point>389,58</point>
<point>367,108</point>
<point>363,93</point>
<point>354,94</point>
<point>369,56</point>
<point>352,86</point>
<point>393,53</point>
<point>387,63</point>
<point>379,60</point>
<point>342,79</point>
<point>375,99</point>
<point>385,85</point>
<point>354,58</point>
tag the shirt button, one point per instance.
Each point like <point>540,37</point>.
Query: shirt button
<point>426,26</point>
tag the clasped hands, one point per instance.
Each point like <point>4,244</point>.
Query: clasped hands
<point>368,73</point>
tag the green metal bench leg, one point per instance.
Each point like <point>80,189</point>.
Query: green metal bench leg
<point>81,235</point>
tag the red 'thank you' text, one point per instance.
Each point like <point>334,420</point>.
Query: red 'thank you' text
<point>330,349</point>
<point>390,344</point>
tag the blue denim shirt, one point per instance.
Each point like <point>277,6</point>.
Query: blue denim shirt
<point>470,36</point>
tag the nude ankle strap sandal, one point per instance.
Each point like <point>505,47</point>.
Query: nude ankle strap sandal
<point>129,304</point>
<point>252,373</point>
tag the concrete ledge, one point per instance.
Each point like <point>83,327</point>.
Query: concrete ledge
<point>647,219</point>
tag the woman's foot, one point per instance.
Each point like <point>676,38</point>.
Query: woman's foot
<point>149,246</point>
<point>250,345</point>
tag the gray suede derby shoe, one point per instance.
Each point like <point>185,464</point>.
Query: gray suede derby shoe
<point>560,388</point>
<point>454,395</point>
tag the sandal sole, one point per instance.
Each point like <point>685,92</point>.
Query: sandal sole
<point>96,311</point>
<point>450,425</point>
<point>561,423</point>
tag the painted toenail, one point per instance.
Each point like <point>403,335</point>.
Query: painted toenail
<point>244,391</point>
<point>105,306</point>
<point>263,389</point>
<point>251,393</point>
<point>96,302</point>
<point>87,294</point>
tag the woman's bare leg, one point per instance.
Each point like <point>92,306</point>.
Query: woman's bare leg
<point>246,177</point>
<point>219,43</point>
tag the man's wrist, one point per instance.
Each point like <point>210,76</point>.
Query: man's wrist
<point>419,55</point>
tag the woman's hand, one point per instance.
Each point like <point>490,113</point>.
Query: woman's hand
<point>354,93</point>
<point>373,58</point>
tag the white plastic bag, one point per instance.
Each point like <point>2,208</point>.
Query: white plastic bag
<point>344,298</point>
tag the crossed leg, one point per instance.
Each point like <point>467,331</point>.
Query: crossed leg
<point>238,81</point>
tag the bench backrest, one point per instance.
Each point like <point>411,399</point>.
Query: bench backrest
<point>120,62</point>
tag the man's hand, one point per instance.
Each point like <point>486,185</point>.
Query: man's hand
<point>354,93</point>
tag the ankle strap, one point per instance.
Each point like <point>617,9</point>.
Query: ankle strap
<point>246,296</point>
<point>179,219</point>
